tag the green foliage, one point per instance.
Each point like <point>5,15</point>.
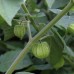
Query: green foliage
<point>7,59</point>
<point>39,13</point>
<point>56,3</point>
<point>9,8</point>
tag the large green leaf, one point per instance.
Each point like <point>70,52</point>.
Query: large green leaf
<point>9,8</point>
<point>50,3</point>
<point>56,3</point>
<point>56,52</point>
<point>7,59</point>
<point>65,21</point>
<point>39,64</point>
<point>1,20</point>
<point>3,46</point>
<point>45,72</point>
<point>56,47</point>
<point>14,45</point>
<point>69,51</point>
<point>43,67</point>
<point>56,11</point>
<point>24,73</point>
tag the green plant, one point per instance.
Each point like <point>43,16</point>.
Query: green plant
<point>46,28</point>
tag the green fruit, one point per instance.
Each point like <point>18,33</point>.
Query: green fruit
<point>70,29</point>
<point>59,64</point>
<point>19,31</point>
<point>41,50</point>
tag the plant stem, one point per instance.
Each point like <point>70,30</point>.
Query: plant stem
<point>29,17</point>
<point>37,37</point>
<point>29,30</point>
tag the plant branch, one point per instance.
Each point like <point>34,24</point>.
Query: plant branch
<point>37,37</point>
<point>29,30</point>
<point>29,17</point>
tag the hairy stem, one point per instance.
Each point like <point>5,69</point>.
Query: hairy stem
<point>29,30</point>
<point>37,37</point>
<point>30,17</point>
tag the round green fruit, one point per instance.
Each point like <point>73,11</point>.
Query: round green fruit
<point>19,31</point>
<point>41,50</point>
<point>59,64</point>
<point>70,29</point>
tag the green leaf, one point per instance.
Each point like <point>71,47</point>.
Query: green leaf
<point>40,18</point>
<point>56,3</point>
<point>9,8</point>
<point>1,20</point>
<point>3,46</point>
<point>68,51</point>
<point>31,5</point>
<point>41,25</point>
<point>7,59</point>
<point>50,3</point>
<point>65,21</point>
<point>43,67</point>
<point>8,30</point>
<point>56,11</point>
<point>24,73</point>
<point>45,72</point>
<point>56,46</point>
<point>14,45</point>
<point>56,51</point>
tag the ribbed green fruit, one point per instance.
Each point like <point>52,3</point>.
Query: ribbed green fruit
<point>71,29</point>
<point>19,31</point>
<point>41,50</point>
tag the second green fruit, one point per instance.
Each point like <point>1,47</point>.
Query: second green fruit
<point>70,29</point>
<point>19,31</point>
<point>41,50</point>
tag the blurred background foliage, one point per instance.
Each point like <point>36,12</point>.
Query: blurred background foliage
<point>61,59</point>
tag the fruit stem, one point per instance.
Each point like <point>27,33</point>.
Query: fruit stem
<point>29,30</point>
<point>56,33</point>
<point>29,17</point>
<point>38,36</point>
